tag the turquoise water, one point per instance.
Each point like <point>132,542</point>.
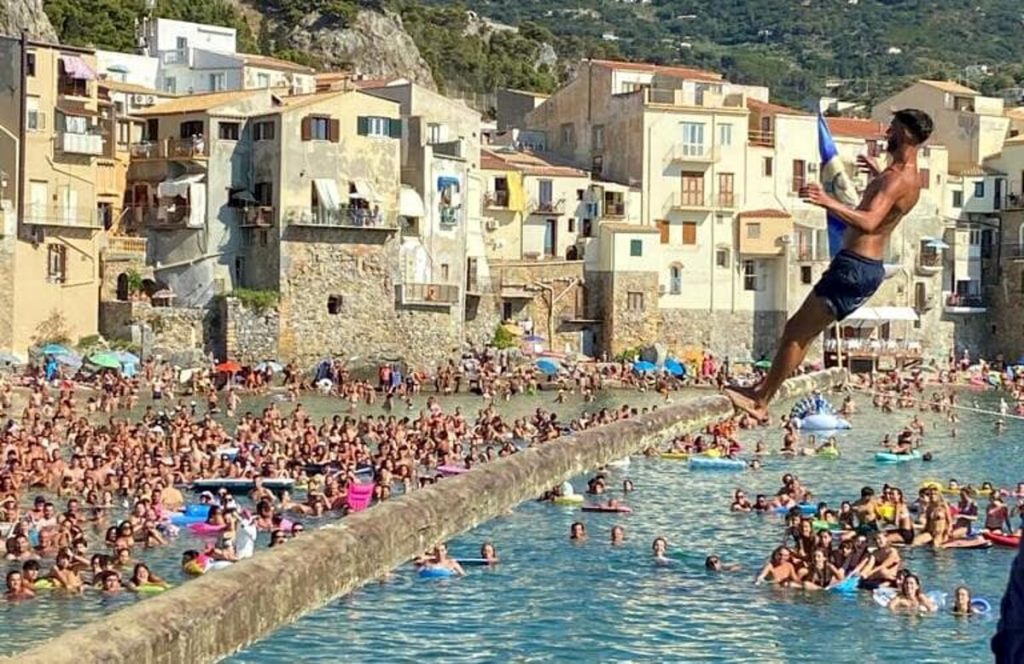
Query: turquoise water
<point>552,600</point>
<point>25,623</point>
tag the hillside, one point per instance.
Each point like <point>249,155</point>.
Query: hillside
<point>856,49</point>
<point>865,48</point>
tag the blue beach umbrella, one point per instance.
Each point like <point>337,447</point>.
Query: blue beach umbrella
<point>56,349</point>
<point>68,360</point>
<point>643,366</point>
<point>548,366</point>
<point>125,357</point>
<point>533,339</point>
<point>674,367</point>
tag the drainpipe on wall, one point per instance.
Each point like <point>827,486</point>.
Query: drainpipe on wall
<point>23,105</point>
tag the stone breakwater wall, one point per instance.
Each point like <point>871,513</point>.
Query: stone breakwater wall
<point>217,614</point>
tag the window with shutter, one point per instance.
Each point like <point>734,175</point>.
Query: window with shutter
<point>396,128</point>
<point>362,125</point>
<point>307,131</point>
<point>334,131</point>
<point>689,232</point>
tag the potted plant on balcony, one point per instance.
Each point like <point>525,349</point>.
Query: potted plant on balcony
<point>134,285</point>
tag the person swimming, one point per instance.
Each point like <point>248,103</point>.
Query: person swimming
<point>910,597</point>
<point>578,532</point>
<point>962,605</point>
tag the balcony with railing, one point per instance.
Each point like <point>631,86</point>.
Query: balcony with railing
<point>344,216</point>
<point>125,245</point>
<point>546,207</point>
<point>428,295</point>
<point>725,200</point>
<point>972,303</point>
<point>90,143</point>
<point>260,216</point>
<point>161,217</point>
<point>806,253</point>
<point>171,148</point>
<point>56,215</point>
<point>613,209</point>
<point>496,200</point>
<point>692,153</point>
<point>762,138</point>
<point>683,201</point>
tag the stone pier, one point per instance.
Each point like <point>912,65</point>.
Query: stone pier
<point>217,614</point>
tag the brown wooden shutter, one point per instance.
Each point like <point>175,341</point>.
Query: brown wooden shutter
<point>689,232</point>
<point>664,229</point>
<point>307,128</point>
<point>926,178</point>
<point>334,130</point>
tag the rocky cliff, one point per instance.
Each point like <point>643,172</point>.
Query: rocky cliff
<point>375,45</point>
<point>27,15</point>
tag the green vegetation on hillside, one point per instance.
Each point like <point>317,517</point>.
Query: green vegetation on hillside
<point>867,48</point>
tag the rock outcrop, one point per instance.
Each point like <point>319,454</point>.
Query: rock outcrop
<point>376,45</point>
<point>26,15</point>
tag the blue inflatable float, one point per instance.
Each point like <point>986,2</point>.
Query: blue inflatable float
<point>432,572</point>
<point>815,413</point>
<point>716,463</point>
<point>890,457</point>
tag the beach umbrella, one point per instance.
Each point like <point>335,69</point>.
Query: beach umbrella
<point>10,359</point>
<point>548,366</point>
<point>125,357</point>
<point>105,360</point>
<point>231,366</point>
<point>56,349</point>
<point>763,364</point>
<point>68,360</point>
<point>533,339</point>
<point>513,329</point>
<point>185,375</point>
<point>269,364</point>
<point>674,367</point>
<point>643,366</point>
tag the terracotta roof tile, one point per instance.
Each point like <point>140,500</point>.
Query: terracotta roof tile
<point>765,214</point>
<point>856,128</point>
<point>198,103</point>
<point>267,62</point>
<point>764,107</point>
<point>527,163</point>
<point>664,70</point>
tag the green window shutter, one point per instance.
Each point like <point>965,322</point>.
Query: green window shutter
<point>395,130</point>
<point>362,125</point>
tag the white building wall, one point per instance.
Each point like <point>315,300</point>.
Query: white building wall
<point>139,69</point>
<point>165,34</point>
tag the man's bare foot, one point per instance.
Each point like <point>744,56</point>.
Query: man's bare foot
<point>745,399</point>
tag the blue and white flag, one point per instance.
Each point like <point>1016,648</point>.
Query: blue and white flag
<point>836,182</point>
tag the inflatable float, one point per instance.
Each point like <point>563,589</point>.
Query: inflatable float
<point>452,469</point>
<point>976,542</point>
<point>815,413</point>
<point>677,456</point>
<point>890,457</point>
<point>434,572</point>
<point>806,509</point>
<point>883,596</point>
<point>847,585</point>
<point>573,499</point>
<point>474,562</point>
<point>242,484</point>
<point>206,528</point>
<point>716,463</point>
<point>1000,539</point>
<point>621,509</point>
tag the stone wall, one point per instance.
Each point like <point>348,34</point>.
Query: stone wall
<point>625,327</point>
<point>238,606</point>
<point>179,334</point>
<point>358,269</point>
<point>738,335</point>
<point>249,335</point>
<point>560,281</point>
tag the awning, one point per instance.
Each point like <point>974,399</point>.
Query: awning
<point>179,186</point>
<point>446,181</point>
<point>77,68</point>
<point>410,203</point>
<point>365,191</point>
<point>933,243</point>
<point>872,316</point>
<point>327,193</point>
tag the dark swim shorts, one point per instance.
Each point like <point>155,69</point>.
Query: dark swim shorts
<point>849,281</point>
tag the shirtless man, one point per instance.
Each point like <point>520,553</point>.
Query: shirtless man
<point>857,271</point>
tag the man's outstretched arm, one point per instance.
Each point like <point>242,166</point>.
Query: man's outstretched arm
<point>868,216</point>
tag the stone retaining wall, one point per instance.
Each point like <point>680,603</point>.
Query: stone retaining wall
<point>219,613</point>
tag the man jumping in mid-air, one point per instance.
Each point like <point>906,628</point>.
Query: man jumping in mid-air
<point>856,272</point>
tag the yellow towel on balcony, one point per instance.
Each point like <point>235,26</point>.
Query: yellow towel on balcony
<point>516,195</point>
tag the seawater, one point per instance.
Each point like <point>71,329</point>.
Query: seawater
<point>26,623</point>
<point>552,600</point>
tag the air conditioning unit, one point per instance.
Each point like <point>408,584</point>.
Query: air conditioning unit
<point>786,239</point>
<point>491,224</point>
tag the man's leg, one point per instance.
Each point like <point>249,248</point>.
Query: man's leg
<point>803,328</point>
